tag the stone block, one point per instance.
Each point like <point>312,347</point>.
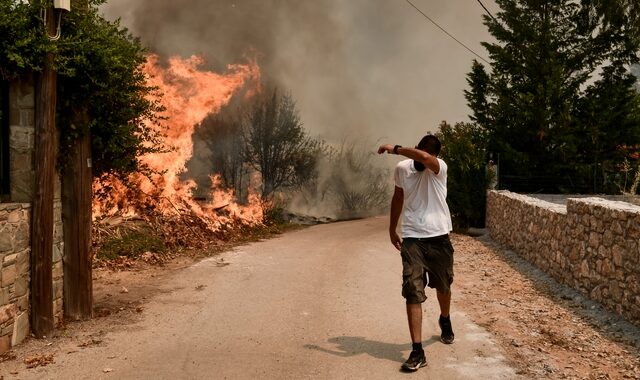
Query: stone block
<point>22,237</point>
<point>57,311</point>
<point>20,328</point>
<point>7,330</point>
<point>57,192</point>
<point>607,238</point>
<point>21,138</point>
<point>6,238</point>
<point>9,259</point>
<point>594,240</point>
<point>15,216</point>
<point>23,303</point>
<point>9,275</point>
<point>584,268</point>
<point>27,118</point>
<point>57,289</point>
<point>602,252</point>
<point>5,343</point>
<point>57,252</point>
<point>21,162</point>
<point>22,285</point>
<point>607,269</point>
<point>4,296</point>
<point>58,233</point>
<point>22,263</point>
<point>22,186</point>
<point>7,313</point>
<point>617,252</point>
<point>57,270</point>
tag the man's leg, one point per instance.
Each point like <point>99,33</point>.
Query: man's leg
<point>414,315</point>
<point>417,358</point>
<point>413,284</point>
<point>444,299</point>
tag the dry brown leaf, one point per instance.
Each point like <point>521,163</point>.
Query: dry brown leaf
<point>38,360</point>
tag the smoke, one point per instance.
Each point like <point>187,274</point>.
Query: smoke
<point>361,71</point>
<point>355,67</point>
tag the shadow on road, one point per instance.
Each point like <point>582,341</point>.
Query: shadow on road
<point>348,346</point>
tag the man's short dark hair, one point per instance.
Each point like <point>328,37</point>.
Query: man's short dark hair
<point>430,144</point>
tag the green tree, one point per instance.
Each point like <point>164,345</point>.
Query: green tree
<point>635,70</point>
<point>101,84</point>
<point>477,97</point>
<point>276,144</point>
<point>23,43</point>
<point>543,57</point>
<point>464,151</point>
<point>608,119</point>
<point>103,89</point>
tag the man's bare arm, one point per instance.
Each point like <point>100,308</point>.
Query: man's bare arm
<point>427,159</point>
<point>396,209</point>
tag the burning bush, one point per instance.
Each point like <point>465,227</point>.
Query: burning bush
<point>160,197</point>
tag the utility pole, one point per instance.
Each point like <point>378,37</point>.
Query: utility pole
<point>77,194</point>
<point>42,219</point>
<point>76,215</point>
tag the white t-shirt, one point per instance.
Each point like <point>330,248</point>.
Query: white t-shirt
<point>425,210</point>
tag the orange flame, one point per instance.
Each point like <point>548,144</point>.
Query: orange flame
<point>189,95</point>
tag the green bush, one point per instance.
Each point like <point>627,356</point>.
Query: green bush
<point>131,244</point>
<point>464,151</point>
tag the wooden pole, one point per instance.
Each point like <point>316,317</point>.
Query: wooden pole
<point>42,220</point>
<point>76,216</point>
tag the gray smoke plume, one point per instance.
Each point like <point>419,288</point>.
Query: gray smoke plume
<point>362,72</point>
<point>355,67</point>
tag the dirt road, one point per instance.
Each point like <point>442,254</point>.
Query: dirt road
<point>320,303</point>
<point>324,303</point>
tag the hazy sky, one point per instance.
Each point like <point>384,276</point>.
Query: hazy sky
<point>357,68</point>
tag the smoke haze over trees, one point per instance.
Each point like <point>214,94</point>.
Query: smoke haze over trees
<point>357,67</point>
<point>360,71</point>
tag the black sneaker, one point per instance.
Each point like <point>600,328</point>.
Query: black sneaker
<point>416,360</point>
<point>447,330</point>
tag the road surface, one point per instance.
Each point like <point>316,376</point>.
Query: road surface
<point>319,303</point>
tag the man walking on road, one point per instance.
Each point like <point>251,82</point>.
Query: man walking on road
<point>427,253</point>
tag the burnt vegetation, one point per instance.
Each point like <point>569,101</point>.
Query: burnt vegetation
<point>263,143</point>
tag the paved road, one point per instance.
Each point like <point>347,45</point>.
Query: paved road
<point>320,303</point>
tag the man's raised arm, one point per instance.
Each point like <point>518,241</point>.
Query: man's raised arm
<point>430,161</point>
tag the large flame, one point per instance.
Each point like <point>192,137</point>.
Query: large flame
<point>189,95</point>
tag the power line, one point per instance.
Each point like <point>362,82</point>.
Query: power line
<point>447,33</point>
<point>486,10</point>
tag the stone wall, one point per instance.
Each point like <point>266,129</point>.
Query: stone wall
<point>15,227</point>
<point>14,273</point>
<point>21,140</point>
<point>590,244</point>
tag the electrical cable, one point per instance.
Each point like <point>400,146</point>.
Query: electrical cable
<point>447,33</point>
<point>486,10</point>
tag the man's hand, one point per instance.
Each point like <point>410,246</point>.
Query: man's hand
<point>395,239</point>
<point>388,148</point>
